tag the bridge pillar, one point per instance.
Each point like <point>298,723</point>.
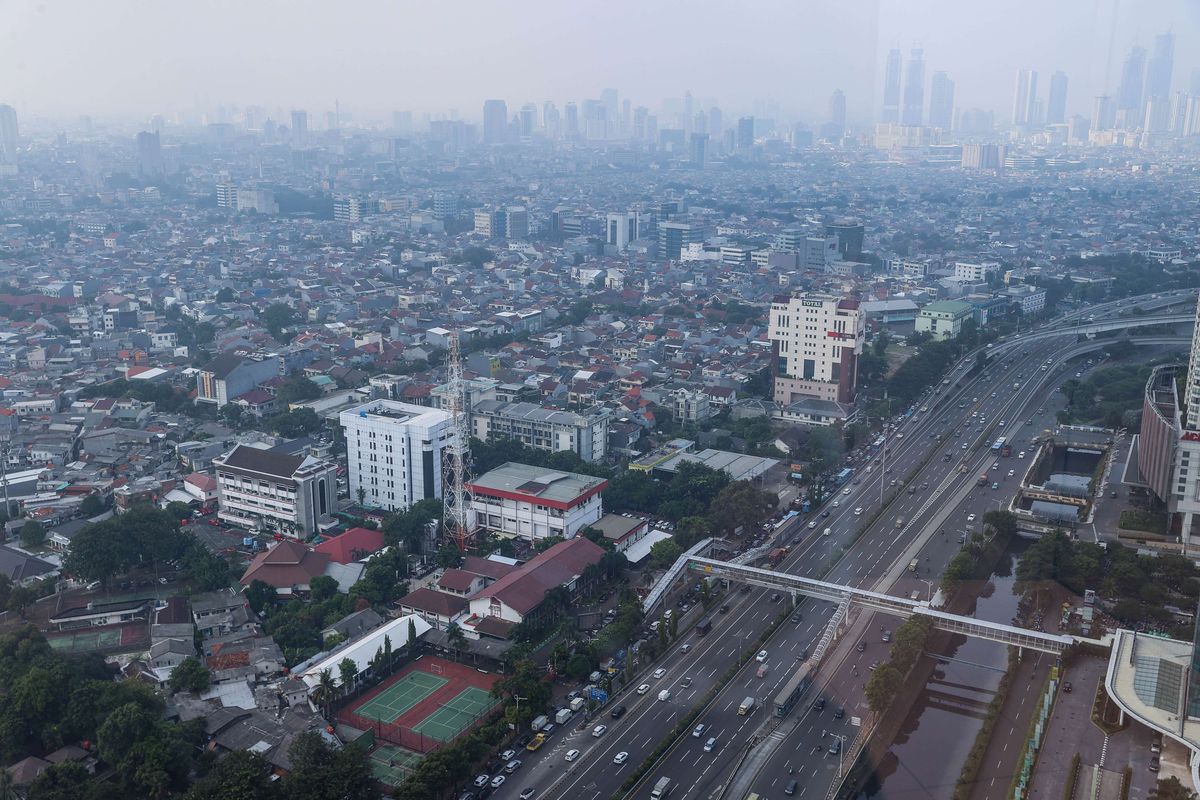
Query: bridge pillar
<point>1185,531</point>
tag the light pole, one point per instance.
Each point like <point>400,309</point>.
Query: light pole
<point>840,751</point>
<point>928,590</point>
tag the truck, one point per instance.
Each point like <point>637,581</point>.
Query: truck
<point>982,480</point>
<point>539,722</point>
<point>661,789</point>
<point>776,555</point>
<point>704,626</point>
<point>806,505</point>
<point>577,703</point>
<point>1006,450</point>
<point>746,707</point>
<point>562,715</point>
<point>912,565</point>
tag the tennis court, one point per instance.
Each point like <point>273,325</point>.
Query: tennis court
<point>391,765</point>
<point>400,697</point>
<point>86,641</point>
<point>455,716</point>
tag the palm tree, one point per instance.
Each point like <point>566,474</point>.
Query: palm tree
<point>323,692</point>
<point>458,639</point>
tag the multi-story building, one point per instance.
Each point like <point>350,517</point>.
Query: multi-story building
<point>674,237</point>
<point>347,209</point>
<point>982,156</point>
<point>1032,299</point>
<point>816,341</point>
<point>495,121</point>
<point>229,375</point>
<point>394,452</point>
<point>944,319</point>
<point>975,272</point>
<point>534,502</point>
<point>9,138</point>
<point>584,433</point>
<point>269,491</point>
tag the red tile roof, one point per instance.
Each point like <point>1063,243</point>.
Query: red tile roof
<point>457,580</point>
<point>285,565</point>
<point>351,545</point>
<point>524,588</point>
<point>439,603</point>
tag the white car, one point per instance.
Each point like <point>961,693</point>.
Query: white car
<point>970,517</point>
<point>1021,454</point>
<point>812,525</point>
<point>658,673</point>
<point>621,757</point>
<point>1011,473</point>
<point>837,503</point>
<point>846,491</point>
<point>645,687</point>
<point>599,730</point>
<point>482,780</point>
<point>498,781</point>
<point>1001,423</point>
<point>572,755</point>
<point>858,511</point>
<point>508,755</point>
<point>761,657</point>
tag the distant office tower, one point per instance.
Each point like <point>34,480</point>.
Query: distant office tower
<point>516,222</point>
<point>9,135</point>
<point>609,99</point>
<point>1129,94</point>
<point>941,101</point>
<point>745,133</point>
<point>1194,88</point>
<point>716,125</point>
<point>891,87</point>
<point>976,120</point>
<point>1056,104</point>
<point>837,111</point>
<point>1158,114</point>
<point>299,128</point>
<point>1160,67</point>
<point>402,122</point>
<point>528,120</point>
<point>618,229</point>
<point>347,209</point>
<point>444,204</point>
<point>157,123</point>
<point>1025,97</point>
<point>490,223</point>
<point>849,234</point>
<point>1104,113</point>
<point>550,120</point>
<point>495,121</point>
<point>914,88</point>
<point>227,195</point>
<point>571,115</point>
<point>640,114</point>
<point>149,155</point>
<point>674,236</point>
<point>698,150</point>
<point>981,156</point>
<point>816,341</point>
<point>1078,128</point>
<point>1179,110</point>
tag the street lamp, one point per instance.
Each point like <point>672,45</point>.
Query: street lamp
<point>841,750</point>
<point>929,589</point>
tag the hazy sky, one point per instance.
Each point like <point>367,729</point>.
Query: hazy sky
<point>139,57</point>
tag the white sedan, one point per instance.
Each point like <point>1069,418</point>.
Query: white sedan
<point>970,517</point>
<point>846,491</point>
<point>858,511</point>
<point>761,657</point>
<point>621,757</point>
<point>599,730</point>
<point>645,687</point>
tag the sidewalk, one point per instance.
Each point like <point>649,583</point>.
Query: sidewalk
<point>1070,731</point>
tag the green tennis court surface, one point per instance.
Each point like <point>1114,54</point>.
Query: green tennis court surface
<point>86,641</point>
<point>402,695</point>
<point>457,715</point>
<point>391,765</point>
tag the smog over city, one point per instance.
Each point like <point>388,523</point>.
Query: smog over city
<point>645,400</point>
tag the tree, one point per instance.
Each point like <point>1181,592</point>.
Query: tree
<point>91,506</point>
<point>454,633</point>
<point>33,534</point>
<point>240,775</point>
<point>225,295</point>
<point>882,687</point>
<point>448,556</point>
<point>179,510</point>
<point>321,588</point>
<point>20,598</point>
<point>277,317</point>
<point>325,690</point>
<point>664,553</point>
<point>477,256</point>
<point>1171,789</point>
<point>320,772</point>
<point>259,594</point>
<point>189,676</point>
<point>348,671</point>
<point>296,389</point>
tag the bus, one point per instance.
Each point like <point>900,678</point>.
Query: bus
<point>843,476</point>
<point>997,445</point>
<point>793,690</point>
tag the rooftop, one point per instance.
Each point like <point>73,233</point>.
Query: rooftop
<point>538,484</point>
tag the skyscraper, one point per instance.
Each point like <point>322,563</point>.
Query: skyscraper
<point>914,88</point>
<point>149,155</point>
<point>495,121</point>
<point>8,138</point>
<point>698,150</point>
<point>1025,97</point>
<point>1104,113</point>
<point>1056,104</point>
<point>1129,94</point>
<point>823,366</point>
<point>1162,63</point>
<point>528,120</point>
<point>299,128</point>
<point>837,112</point>
<point>571,117</point>
<point>745,133</point>
<point>941,101</point>
<point>891,87</point>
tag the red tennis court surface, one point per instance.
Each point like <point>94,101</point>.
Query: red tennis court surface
<point>451,699</point>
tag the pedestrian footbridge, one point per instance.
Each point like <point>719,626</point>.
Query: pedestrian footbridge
<point>877,601</point>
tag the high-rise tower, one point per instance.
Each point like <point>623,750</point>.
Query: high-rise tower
<point>914,88</point>
<point>941,101</point>
<point>891,88</point>
<point>1056,104</point>
<point>495,121</point>
<point>1025,98</point>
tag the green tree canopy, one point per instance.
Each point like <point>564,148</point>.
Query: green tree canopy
<point>189,676</point>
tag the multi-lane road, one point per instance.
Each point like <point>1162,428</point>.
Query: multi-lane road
<point>968,412</point>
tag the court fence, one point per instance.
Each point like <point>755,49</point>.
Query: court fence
<point>410,738</point>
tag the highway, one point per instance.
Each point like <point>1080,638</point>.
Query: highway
<point>944,429</point>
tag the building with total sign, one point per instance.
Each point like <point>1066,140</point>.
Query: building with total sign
<point>816,341</point>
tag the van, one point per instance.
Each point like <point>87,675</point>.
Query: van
<point>664,695</point>
<point>835,747</point>
<point>790,789</point>
<point>828,532</point>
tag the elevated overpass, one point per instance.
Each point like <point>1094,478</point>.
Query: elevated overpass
<point>1102,325</point>
<point>876,601</point>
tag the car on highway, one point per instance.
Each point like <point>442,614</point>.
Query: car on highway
<point>571,755</point>
<point>837,503</point>
<point>508,755</point>
<point>658,673</point>
<point>498,781</point>
<point>710,745</point>
<point>970,517</point>
<point>512,766</point>
<point>599,730</point>
<point>1011,473</point>
<point>887,637</point>
<point>790,789</point>
<point>812,525</point>
<point>846,490</point>
<point>995,485</point>
<point>819,705</point>
<point>621,757</point>
<point>858,511</point>
<point>482,780</point>
<point>699,730</point>
<point>645,687</point>
<point>686,682</point>
<point>825,513</point>
<point>964,445</point>
<point>527,793</point>
<point>761,657</point>
<point>862,646</point>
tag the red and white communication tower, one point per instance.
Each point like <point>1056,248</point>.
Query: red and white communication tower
<point>458,518</point>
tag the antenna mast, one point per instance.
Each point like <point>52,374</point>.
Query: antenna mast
<point>458,518</point>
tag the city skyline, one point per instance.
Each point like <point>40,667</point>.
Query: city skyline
<point>429,63</point>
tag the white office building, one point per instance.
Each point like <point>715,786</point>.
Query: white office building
<point>816,340</point>
<point>264,490</point>
<point>975,272</point>
<point>394,452</point>
<point>532,503</point>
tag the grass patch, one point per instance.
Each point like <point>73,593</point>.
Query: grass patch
<point>1144,521</point>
